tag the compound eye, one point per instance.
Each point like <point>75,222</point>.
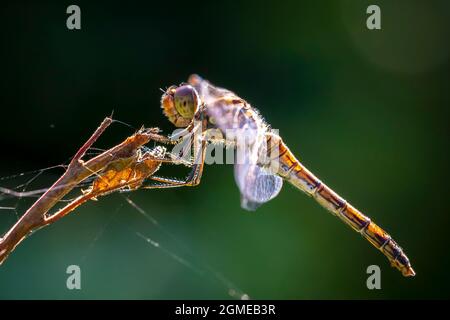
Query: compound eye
<point>186,101</point>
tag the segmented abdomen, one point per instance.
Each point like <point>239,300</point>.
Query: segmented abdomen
<point>287,166</point>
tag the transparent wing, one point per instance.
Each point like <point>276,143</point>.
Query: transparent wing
<point>256,185</point>
<point>225,107</point>
<point>242,125</point>
<point>206,90</point>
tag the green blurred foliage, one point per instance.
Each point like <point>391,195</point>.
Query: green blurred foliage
<point>367,111</point>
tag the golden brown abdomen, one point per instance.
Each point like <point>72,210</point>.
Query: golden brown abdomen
<point>285,164</point>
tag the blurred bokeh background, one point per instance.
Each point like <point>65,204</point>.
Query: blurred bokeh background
<point>367,111</point>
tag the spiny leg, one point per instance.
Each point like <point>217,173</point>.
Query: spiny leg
<point>199,147</point>
<point>184,139</point>
<point>192,127</point>
<point>194,177</point>
<point>172,159</point>
<point>165,183</point>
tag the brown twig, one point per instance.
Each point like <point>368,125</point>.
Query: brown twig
<point>37,215</point>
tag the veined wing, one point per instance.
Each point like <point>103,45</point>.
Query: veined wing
<point>257,186</point>
<point>206,90</point>
<point>243,125</point>
<point>228,112</point>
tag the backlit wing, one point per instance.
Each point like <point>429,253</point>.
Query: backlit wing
<point>229,113</point>
<point>241,124</point>
<point>256,185</point>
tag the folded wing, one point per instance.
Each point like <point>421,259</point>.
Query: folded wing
<point>257,186</point>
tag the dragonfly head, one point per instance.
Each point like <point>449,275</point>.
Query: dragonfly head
<point>179,104</point>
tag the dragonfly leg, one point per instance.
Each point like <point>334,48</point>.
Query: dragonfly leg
<point>195,175</point>
<point>222,142</point>
<point>166,183</point>
<point>199,147</point>
<point>171,159</point>
<point>193,179</point>
<point>160,186</point>
<point>185,132</point>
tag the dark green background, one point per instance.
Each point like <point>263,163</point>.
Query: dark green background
<point>367,111</point>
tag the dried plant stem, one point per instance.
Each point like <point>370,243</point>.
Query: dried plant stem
<point>37,215</point>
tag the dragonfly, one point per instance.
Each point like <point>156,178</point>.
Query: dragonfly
<point>197,107</point>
